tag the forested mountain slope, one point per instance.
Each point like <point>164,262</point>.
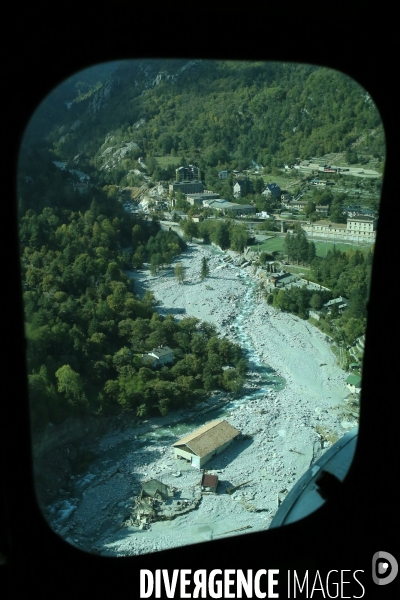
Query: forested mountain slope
<point>213,112</point>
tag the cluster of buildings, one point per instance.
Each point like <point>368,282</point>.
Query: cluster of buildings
<point>158,501</point>
<point>361,223</point>
<point>299,206</point>
<point>208,199</point>
<point>188,182</point>
<point>357,211</point>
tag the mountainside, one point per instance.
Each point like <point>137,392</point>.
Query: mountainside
<point>217,113</point>
<point>85,324</point>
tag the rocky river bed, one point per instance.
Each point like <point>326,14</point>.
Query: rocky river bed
<point>290,411</point>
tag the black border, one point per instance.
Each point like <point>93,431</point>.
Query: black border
<point>48,46</point>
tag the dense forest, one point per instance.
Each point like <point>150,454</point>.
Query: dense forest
<point>86,328</point>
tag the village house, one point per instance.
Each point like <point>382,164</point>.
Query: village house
<point>158,201</point>
<point>354,383</point>
<point>297,205</point>
<point>241,188</point>
<point>272,190</point>
<point>322,209</point>
<point>156,489</point>
<point>159,356</point>
<point>281,279</point>
<point>204,443</point>
<point>340,302</point>
<point>223,174</point>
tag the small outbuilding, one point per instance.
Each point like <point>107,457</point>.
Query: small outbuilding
<point>354,366</point>
<point>354,383</point>
<point>155,489</point>
<point>204,443</point>
<point>209,483</point>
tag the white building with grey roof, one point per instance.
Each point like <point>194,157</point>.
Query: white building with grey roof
<point>159,356</point>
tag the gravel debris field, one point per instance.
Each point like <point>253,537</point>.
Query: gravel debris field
<point>289,413</point>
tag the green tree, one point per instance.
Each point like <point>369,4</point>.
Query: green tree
<point>179,272</point>
<point>289,245</point>
<point>316,301</point>
<point>337,215</point>
<point>190,229</point>
<point>155,263</point>
<point>232,381</point>
<point>222,237</point>
<point>238,238</point>
<point>309,208</point>
<point>205,269</point>
<point>312,252</point>
<point>151,164</point>
<point>70,384</point>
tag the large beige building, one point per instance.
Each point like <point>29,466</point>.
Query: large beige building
<point>357,229</point>
<point>364,226</point>
<point>204,443</point>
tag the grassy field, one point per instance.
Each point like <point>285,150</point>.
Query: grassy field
<point>321,247</point>
<point>271,245</point>
<point>164,161</point>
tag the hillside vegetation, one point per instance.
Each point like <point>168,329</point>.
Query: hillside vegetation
<point>86,326</point>
<point>214,113</point>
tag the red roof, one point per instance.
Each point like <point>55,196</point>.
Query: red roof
<point>209,480</point>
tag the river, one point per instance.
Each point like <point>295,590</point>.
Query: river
<point>97,501</point>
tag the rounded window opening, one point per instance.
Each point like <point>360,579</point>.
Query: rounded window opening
<point>196,247</point>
